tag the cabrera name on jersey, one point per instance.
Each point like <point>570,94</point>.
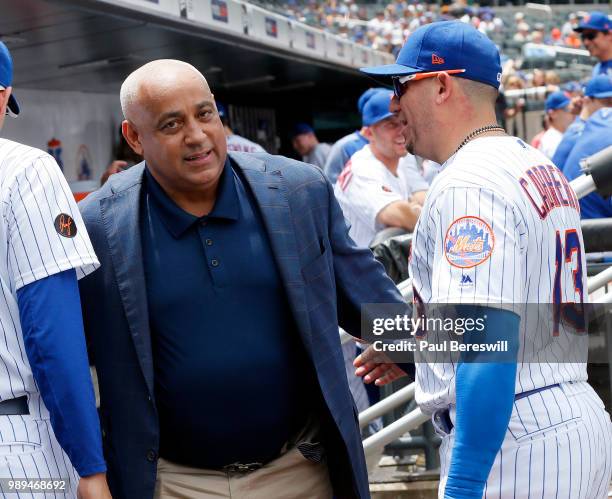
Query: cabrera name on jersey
<point>500,225</point>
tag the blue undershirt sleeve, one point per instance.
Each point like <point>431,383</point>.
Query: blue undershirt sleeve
<point>52,325</point>
<point>485,396</point>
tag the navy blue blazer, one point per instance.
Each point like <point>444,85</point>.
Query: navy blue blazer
<point>326,277</point>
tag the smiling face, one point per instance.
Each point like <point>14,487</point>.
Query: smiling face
<point>598,43</point>
<point>173,122</point>
<point>386,138</point>
<point>415,110</point>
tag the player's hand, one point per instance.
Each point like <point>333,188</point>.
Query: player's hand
<point>376,367</point>
<point>93,487</point>
<point>115,167</point>
<point>575,105</point>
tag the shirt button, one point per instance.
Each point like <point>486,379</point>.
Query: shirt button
<point>209,242</point>
<point>151,455</point>
<point>214,262</point>
<point>203,223</point>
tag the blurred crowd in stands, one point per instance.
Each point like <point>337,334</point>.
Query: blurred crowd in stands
<point>386,27</point>
<point>537,44</point>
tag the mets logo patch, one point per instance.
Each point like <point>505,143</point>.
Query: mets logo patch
<point>65,226</point>
<point>469,241</point>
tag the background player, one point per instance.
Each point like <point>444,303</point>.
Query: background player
<point>235,142</point>
<point>381,185</point>
<point>44,246</point>
<point>596,34</point>
<point>500,226</point>
<point>344,148</point>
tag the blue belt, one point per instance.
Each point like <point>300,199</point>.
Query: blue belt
<point>521,395</point>
<point>15,407</point>
<point>444,420</point>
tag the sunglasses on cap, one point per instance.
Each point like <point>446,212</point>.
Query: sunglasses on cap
<point>400,82</point>
<point>589,35</point>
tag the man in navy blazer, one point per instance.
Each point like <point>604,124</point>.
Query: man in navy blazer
<point>213,320</point>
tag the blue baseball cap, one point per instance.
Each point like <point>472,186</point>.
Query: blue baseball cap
<point>221,109</point>
<point>365,97</point>
<point>301,128</point>
<point>377,108</point>
<point>556,100</point>
<point>571,86</point>
<point>445,46</point>
<point>6,78</point>
<point>596,20</point>
<point>599,87</point>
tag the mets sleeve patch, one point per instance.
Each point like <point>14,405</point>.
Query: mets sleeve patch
<point>469,242</point>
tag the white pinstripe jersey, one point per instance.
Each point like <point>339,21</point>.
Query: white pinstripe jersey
<point>37,206</point>
<point>500,225</point>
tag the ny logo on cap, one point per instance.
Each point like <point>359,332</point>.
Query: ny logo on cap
<point>436,59</point>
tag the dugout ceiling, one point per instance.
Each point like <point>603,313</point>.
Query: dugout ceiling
<point>86,45</point>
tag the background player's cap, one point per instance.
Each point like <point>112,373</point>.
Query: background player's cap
<point>6,78</point>
<point>556,100</point>
<point>377,108</point>
<point>221,110</point>
<point>365,97</point>
<point>596,20</point>
<point>300,129</point>
<point>571,86</point>
<point>445,46</point>
<point>599,87</point>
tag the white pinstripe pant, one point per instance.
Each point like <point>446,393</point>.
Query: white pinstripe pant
<point>558,445</point>
<point>29,449</point>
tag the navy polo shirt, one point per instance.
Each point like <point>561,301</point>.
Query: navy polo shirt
<point>232,379</point>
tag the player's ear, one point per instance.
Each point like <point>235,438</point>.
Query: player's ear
<point>5,93</point>
<point>367,132</point>
<point>444,87</point>
<point>130,134</point>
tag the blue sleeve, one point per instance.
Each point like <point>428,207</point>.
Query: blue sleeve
<point>596,70</point>
<point>484,386</point>
<point>570,137</point>
<point>335,163</point>
<point>52,325</point>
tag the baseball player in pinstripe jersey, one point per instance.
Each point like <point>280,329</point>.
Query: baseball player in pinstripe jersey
<point>500,227</point>
<point>49,427</point>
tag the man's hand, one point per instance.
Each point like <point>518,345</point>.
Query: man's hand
<point>418,198</point>
<point>416,208</point>
<point>376,367</point>
<point>93,487</point>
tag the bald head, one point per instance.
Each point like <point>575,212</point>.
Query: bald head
<point>172,121</point>
<point>152,82</point>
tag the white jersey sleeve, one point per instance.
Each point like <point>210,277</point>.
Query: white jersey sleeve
<point>477,239</point>
<point>368,193</point>
<point>43,228</point>
<point>414,178</point>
